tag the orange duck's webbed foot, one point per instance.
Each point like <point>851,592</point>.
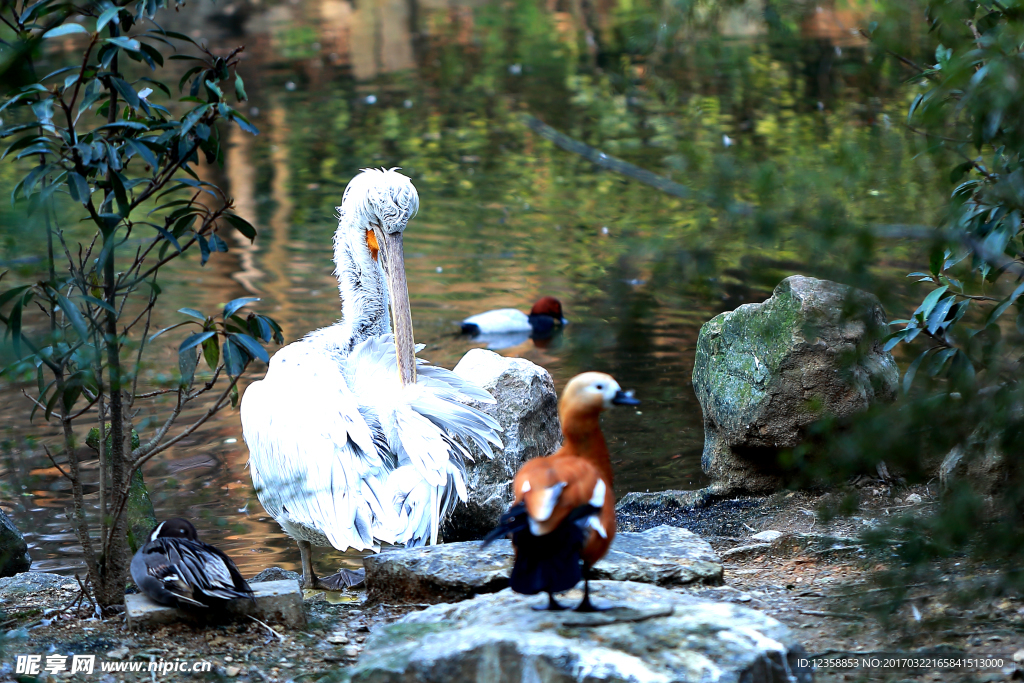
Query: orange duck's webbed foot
<point>585,604</point>
<point>552,606</point>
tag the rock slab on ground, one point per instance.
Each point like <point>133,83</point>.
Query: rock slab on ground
<point>665,556</point>
<point>13,588</point>
<point>13,548</point>
<point>276,602</point>
<point>527,410</point>
<point>764,372</point>
<point>651,634</point>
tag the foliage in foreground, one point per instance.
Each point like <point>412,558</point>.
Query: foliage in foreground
<point>94,134</point>
<point>962,409</point>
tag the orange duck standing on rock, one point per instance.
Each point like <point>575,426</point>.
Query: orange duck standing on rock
<point>563,517</point>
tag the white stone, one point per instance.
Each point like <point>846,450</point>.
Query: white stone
<point>768,536</point>
<point>527,409</point>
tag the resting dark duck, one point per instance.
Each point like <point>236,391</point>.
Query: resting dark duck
<point>175,568</point>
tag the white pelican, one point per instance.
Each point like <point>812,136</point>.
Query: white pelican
<point>351,437</point>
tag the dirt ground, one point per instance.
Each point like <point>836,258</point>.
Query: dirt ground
<point>817,578</point>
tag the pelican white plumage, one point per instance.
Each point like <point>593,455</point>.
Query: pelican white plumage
<point>352,439</point>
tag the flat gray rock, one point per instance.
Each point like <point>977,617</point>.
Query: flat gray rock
<point>27,583</point>
<point>651,635</point>
<point>275,601</point>
<point>664,555</point>
<point>527,410</point>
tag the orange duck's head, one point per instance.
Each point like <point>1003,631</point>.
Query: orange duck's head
<point>592,392</point>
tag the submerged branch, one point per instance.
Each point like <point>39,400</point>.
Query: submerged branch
<point>605,161</point>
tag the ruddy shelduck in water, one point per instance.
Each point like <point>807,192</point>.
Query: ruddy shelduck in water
<point>563,518</point>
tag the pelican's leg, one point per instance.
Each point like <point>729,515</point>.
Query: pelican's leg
<point>309,579</point>
<point>552,606</point>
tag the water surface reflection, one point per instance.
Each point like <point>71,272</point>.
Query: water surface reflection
<point>784,141</point>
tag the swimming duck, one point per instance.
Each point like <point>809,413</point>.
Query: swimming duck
<point>175,568</point>
<point>545,315</point>
<point>563,518</point>
<point>353,441</point>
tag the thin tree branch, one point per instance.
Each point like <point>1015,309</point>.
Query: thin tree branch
<point>218,404</point>
<point>59,468</point>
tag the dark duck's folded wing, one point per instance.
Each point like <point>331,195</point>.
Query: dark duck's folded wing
<point>160,579</point>
<point>210,572</point>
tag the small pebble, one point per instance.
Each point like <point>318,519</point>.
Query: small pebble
<point>352,651</point>
<point>232,671</point>
<point>337,640</point>
<point>914,499</point>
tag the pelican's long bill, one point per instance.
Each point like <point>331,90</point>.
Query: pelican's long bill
<point>401,314</point>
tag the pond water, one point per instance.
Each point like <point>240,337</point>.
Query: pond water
<point>785,132</point>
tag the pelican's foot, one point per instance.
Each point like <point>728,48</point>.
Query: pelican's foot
<point>345,578</point>
<point>552,606</point>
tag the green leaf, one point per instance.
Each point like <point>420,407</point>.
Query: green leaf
<point>234,358</point>
<point>193,312</point>
<point>188,74</point>
<point>240,88</point>
<point>192,118</point>
<point>214,89</point>
<point>120,193</point>
<point>126,91</point>
<point>137,148</point>
<point>134,125</point>
<point>73,315</point>
<point>233,306</point>
<point>252,347</point>
<point>78,187</point>
<point>65,30</point>
<point>1003,305</point>
<point>908,378</point>
<point>188,360</point>
<point>125,43</point>
<point>11,293</point>
<point>99,302</point>
<point>929,302</point>
<point>937,317</point>
<point>105,18</point>
<point>241,225</point>
<point>168,329</point>
<point>211,352</point>
<point>21,143</point>
<point>194,340</point>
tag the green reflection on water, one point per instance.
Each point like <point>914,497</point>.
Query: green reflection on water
<point>789,143</point>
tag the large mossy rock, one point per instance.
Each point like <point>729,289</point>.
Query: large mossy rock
<point>13,548</point>
<point>651,634</point>
<point>664,555</point>
<point>764,372</point>
<point>527,409</point>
